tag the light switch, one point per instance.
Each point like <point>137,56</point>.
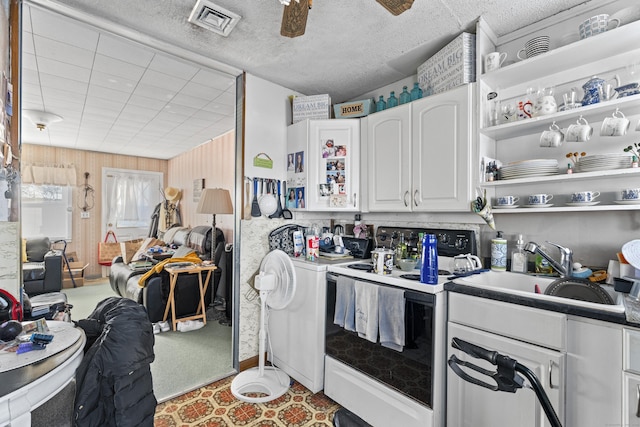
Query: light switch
<point>84,214</point>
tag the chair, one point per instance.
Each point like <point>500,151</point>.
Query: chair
<point>42,271</point>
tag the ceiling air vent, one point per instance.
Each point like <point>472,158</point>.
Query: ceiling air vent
<point>213,17</point>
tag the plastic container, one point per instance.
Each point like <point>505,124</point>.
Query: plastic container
<point>429,267</point>
<point>499,253</point>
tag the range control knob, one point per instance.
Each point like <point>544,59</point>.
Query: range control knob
<point>461,242</point>
<point>443,238</point>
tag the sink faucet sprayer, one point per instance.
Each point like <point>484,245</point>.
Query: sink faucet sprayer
<point>564,267</point>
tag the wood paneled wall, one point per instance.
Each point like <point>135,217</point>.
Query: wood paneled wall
<point>213,161</point>
<point>87,232</point>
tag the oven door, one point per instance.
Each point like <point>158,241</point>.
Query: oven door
<point>408,371</point>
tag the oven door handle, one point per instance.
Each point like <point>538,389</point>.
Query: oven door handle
<point>332,277</point>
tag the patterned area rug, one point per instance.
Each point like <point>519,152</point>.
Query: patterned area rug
<point>215,406</point>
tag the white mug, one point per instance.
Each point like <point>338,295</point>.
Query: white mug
<point>584,196</point>
<point>552,137</point>
<point>616,125</point>
<point>579,132</point>
<point>540,199</point>
<point>494,60</point>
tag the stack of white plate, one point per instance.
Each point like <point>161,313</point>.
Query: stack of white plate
<point>529,168</point>
<point>603,162</point>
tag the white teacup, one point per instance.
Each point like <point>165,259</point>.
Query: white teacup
<point>584,196</point>
<point>616,125</point>
<point>494,60</point>
<point>630,194</point>
<point>579,132</point>
<point>552,137</point>
<point>540,199</point>
<point>507,200</point>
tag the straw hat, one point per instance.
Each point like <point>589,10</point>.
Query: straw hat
<point>172,194</point>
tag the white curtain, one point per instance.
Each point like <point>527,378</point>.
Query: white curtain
<point>129,201</point>
<point>49,174</point>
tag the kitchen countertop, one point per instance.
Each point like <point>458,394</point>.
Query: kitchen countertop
<point>619,318</point>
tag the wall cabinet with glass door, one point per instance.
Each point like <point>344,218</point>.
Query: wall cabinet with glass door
<point>611,57</point>
<point>419,154</point>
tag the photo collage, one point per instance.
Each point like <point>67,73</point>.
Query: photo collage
<point>334,160</point>
<point>295,196</point>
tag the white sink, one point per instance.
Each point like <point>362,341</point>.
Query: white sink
<point>525,285</point>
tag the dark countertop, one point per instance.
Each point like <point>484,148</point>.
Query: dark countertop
<point>619,318</point>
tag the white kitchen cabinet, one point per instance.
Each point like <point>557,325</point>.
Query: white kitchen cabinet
<point>325,173</point>
<point>472,405</point>
<point>297,331</point>
<point>419,154</point>
<point>566,65</point>
<point>594,363</point>
<point>631,378</point>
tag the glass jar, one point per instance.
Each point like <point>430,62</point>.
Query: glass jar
<point>405,97</point>
<point>381,105</point>
<point>416,92</point>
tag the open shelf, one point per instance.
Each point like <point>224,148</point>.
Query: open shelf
<point>576,176</point>
<point>601,207</point>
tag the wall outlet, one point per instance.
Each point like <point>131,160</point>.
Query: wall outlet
<point>84,214</point>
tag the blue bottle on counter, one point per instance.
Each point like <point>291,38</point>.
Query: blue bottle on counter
<point>429,268</point>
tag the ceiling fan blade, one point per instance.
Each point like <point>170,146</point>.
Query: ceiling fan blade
<point>396,7</point>
<point>294,19</point>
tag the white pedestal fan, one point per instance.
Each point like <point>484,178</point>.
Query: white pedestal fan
<point>277,285</point>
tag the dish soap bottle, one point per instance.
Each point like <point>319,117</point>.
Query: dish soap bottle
<point>519,257</point>
<point>542,265</point>
<point>499,253</point>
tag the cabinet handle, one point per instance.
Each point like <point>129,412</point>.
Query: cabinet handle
<point>354,200</point>
<point>404,198</point>
<point>415,194</point>
<point>638,401</point>
<point>550,371</point>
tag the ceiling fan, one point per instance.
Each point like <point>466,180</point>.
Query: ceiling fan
<point>294,17</point>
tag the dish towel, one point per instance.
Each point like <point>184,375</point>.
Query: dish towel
<point>345,304</point>
<point>367,310</point>
<point>391,310</point>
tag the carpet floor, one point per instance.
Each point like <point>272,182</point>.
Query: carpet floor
<point>215,406</point>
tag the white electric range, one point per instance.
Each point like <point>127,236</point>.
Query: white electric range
<point>387,386</point>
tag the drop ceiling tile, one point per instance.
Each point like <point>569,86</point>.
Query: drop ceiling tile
<point>207,115</point>
<point>214,79</point>
<point>113,82</point>
<point>173,67</point>
<point>138,113</point>
<point>93,102</point>
<point>226,98</point>
<point>30,89</point>
<point>61,69</point>
<point>60,83</point>
<point>62,52</point>
<point>26,19</point>
<point>27,44</point>
<point>181,110</point>
<point>189,101</point>
<point>48,25</point>
<point>200,91</point>
<point>154,92</point>
<point>108,94</point>
<point>117,67</point>
<point>32,102</point>
<point>30,76</point>
<point>171,117</point>
<point>143,101</point>
<point>223,109</point>
<point>161,80</point>
<point>56,96</point>
<point>124,50</point>
<point>100,115</point>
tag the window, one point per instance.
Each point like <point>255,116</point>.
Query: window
<point>129,198</point>
<point>46,211</point>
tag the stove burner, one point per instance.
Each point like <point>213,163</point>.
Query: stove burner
<point>361,266</point>
<point>417,276</point>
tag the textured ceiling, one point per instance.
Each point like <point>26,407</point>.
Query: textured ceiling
<point>350,47</point>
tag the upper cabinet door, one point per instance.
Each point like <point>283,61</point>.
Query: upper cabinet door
<point>442,149</point>
<point>389,160</point>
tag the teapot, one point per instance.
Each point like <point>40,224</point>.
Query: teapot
<point>593,87</point>
<point>465,263</point>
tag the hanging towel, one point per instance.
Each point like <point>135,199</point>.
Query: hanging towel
<point>391,308</point>
<point>345,304</point>
<point>367,310</point>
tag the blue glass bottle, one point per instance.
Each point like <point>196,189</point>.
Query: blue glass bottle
<point>416,92</point>
<point>392,101</point>
<point>405,96</point>
<point>381,105</point>
<point>429,269</point>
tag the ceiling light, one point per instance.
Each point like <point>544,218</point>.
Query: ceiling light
<point>41,119</point>
<point>209,15</point>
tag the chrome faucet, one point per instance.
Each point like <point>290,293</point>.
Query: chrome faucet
<point>564,267</point>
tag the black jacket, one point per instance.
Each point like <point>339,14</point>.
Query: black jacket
<point>114,385</point>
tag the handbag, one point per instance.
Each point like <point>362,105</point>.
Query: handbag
<point>107,251</point>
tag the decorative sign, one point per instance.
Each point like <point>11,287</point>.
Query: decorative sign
<point>260,162</point>
<point>198,186</point>
<point>452,66</point>
<point>311,107</point>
